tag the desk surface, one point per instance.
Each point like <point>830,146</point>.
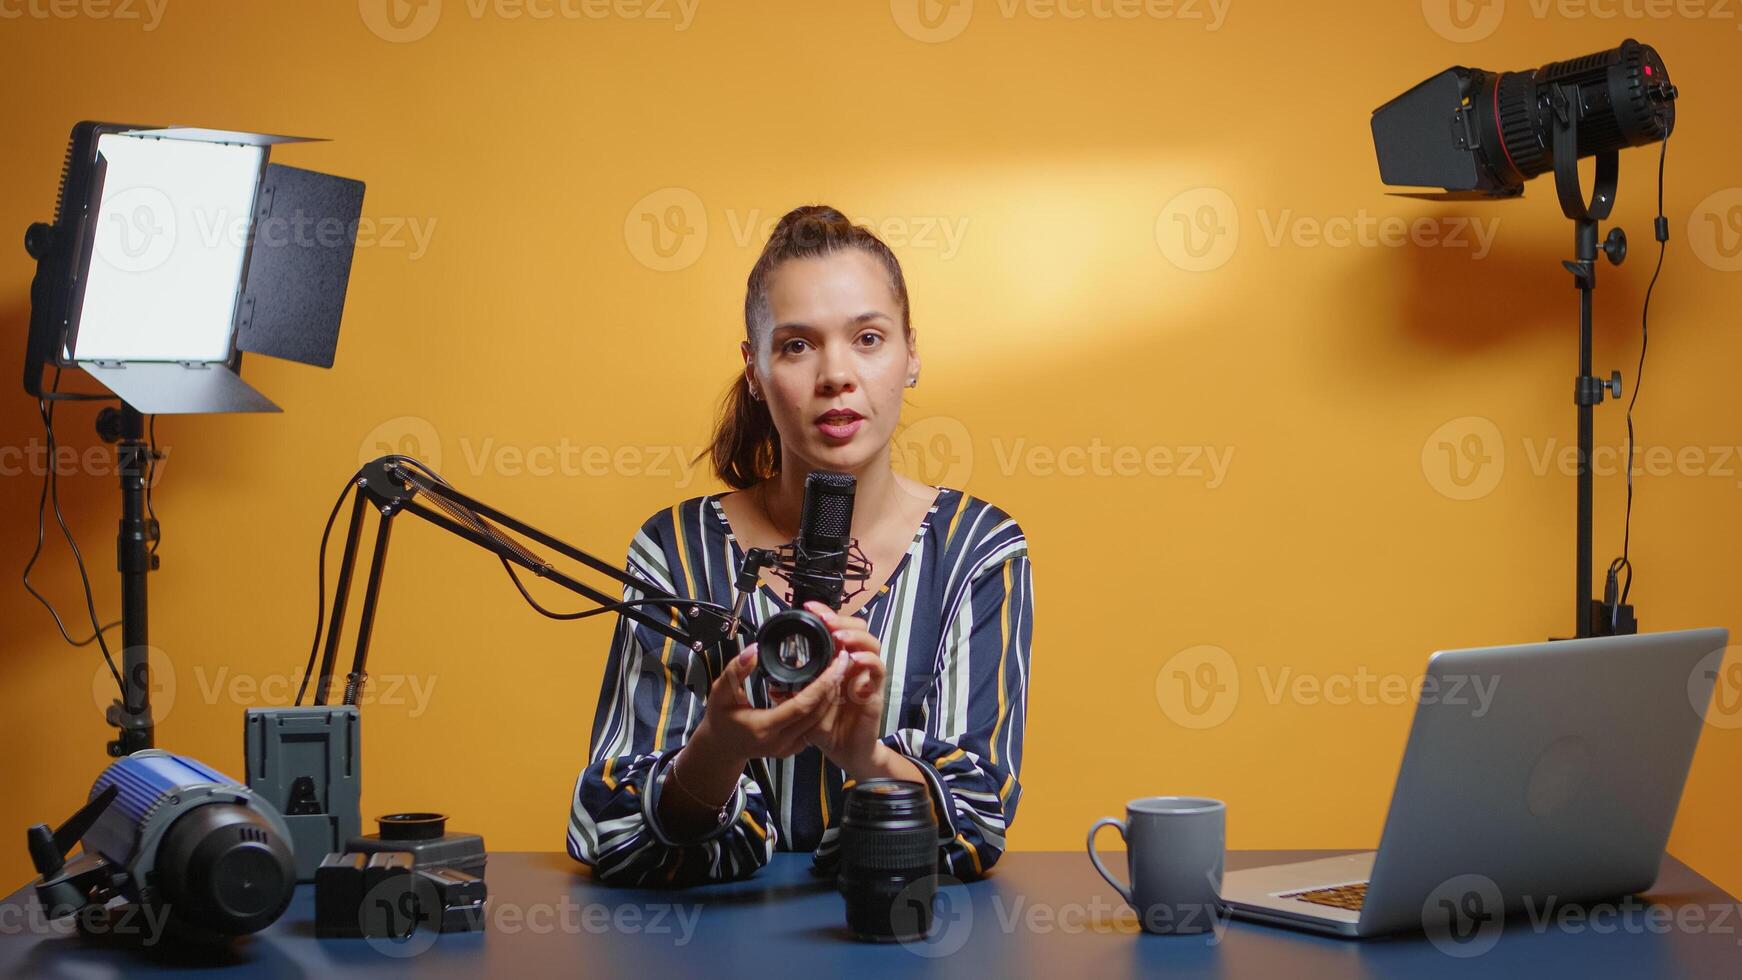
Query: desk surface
<point>1039,914</point>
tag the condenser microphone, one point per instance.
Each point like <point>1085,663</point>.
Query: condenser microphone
<point>825,532</point>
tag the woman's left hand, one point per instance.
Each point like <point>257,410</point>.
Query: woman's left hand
<point>849,730</point>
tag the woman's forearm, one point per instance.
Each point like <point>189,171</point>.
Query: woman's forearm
<point>704,778</point>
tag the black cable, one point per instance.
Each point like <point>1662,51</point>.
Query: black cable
<point>51,494</point>
<point>1660,230</point>
<point>321,587</point>
<point>151,482</point>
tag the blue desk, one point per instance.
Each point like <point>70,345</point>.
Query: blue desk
<point>1040,914</point>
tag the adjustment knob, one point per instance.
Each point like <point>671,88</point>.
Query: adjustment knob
<point>1614,384</point>
<point>1615,246</point>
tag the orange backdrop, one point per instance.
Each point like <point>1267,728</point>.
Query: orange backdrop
<point>1258,418</point>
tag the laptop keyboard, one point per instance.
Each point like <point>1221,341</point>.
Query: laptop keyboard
<point>1347,897</point>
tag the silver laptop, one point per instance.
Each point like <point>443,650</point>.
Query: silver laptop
<point>1560,784</point>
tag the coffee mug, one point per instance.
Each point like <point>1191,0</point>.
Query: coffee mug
<point>1174,848</point>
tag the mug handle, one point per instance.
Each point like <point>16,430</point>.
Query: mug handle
<point>1123,890</point>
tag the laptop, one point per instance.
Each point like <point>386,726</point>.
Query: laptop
<point>1561,784</point>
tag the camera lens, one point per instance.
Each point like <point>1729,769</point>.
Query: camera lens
<point>793,647</point>
<point>889,860</point>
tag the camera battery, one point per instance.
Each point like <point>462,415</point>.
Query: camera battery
<point>450,900</point>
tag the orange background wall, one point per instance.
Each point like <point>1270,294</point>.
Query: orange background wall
<point>1235,440</point>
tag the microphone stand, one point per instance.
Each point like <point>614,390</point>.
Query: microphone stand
<point>393,484</point>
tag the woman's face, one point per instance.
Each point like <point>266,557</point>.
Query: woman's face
<point>836,362</point>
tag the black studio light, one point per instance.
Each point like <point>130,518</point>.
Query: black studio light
<point>1468,134</point>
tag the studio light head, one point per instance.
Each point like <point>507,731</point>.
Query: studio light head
<point>172,251</point>
<point>1475,133</point>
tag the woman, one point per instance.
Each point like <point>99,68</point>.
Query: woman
<point>696,774</point>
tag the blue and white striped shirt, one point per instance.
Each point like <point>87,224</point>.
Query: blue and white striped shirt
<point>955,620</point>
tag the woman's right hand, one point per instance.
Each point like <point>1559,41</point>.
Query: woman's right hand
<point>737,731</point>
<point>732,732</point>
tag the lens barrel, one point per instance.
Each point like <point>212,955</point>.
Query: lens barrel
<point>1624,94</point>
<point>889,860</point>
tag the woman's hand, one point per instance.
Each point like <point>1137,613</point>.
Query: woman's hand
<point>849,732</point>
<point>731,733</point>
<point>731,726</point>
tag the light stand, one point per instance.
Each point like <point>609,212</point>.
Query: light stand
<point>391,485</point>
<point>131,715</point>
<point>164,325</point>
<point>1608,616</point>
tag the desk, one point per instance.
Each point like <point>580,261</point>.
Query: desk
<point>1039,914</point>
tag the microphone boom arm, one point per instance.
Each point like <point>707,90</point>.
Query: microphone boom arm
<point>392,485</point>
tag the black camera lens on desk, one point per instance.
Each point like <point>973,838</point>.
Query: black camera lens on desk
<point>889,860</point>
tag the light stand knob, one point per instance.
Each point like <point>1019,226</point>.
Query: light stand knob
<point>1615,246</point>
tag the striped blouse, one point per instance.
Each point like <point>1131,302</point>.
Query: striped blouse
<point>955,620</point>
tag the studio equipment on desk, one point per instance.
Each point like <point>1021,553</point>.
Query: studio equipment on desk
<point>1479,135</point>
<point>889,860</point>
<point>308,762</point>
<point>413,874</point>
<point>169,837</point>
<point>173,251</point>
<point>794,646</point>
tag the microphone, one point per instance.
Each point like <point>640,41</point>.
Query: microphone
<point>795,646</point>
<point>825,533</point>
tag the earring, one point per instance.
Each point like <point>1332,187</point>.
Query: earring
<point>913,382</point>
